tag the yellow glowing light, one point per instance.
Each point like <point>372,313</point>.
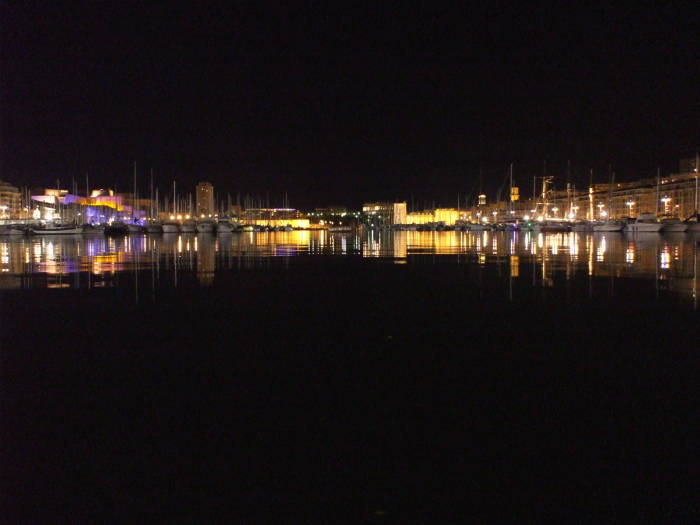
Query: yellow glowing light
<point>527,218</point>
<point>172,217</point>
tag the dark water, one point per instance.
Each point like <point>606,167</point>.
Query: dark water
<point>308,377</point>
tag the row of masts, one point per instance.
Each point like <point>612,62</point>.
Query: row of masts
<point>542,199</point>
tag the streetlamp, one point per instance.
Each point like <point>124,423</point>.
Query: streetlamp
<point>630,204</point>
<point>602,212</point>
<point>666,199</point>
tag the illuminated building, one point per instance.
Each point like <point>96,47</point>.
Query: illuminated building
<point>274,217</point>
<point>386,213</point>
<point>205,199</point>
<point>102,206</point>
<point>448,216</point>
<point>420,217</point>
<point>10,201</point>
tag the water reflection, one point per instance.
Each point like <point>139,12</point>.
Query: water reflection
<point>47,262</point>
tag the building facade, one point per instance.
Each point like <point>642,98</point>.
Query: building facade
<point>205,199</point>
<point>10,201</point>
<point>274,217</point>
<point>385,213</point>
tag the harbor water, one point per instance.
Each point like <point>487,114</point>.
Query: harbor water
<point>315,377</point>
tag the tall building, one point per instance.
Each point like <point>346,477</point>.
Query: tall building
<point>9,201</point>
<point>205,199</point>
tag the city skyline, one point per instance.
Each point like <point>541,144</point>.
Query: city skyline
<point>344,106</point>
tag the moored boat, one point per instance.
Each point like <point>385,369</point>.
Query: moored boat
<point>693,223</point>
<point>582,226</point>
<point>205,226</point>
<point>550,227</point>
<point>171,227</point>
<point>188,226</point>
<point>116,228</point>
<point>12,229</point>
<point>134,228</point>
<point>673,225</point>
<point>154,227</point>
<point>224,226</point>
<point>94,229</point>
<point>609,226</point>
<point>645,223</point>
<point>57,229</point>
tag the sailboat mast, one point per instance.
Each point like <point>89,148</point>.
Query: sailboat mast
<point>58,196</point>
<point>658,184</point>
<point>591,214</point>
<point>174,200</point>
<point>610,190</point>
<point>697,172</point>
<point>133,201</point>
<point>150,200</point>
<point>87,195</point>
<point>510,198</point>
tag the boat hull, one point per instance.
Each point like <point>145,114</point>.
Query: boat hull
<point>644,227</point>
<point>134,228</point>
<point>170,228</point>
<point>154,228</point>
<point>224,228</point>
<point>58,231</point>
<point>12,231</point>
<point>551,228</point>
<point>676,227</point>
<point>609,227</point>
<point>205,228</point>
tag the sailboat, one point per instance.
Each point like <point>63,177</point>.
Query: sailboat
<point>153,225</point>
<point>224,226</point>
<point>610,225</point>
<point>206,226</point>
<point>172,226</point>
<point>57,228</point>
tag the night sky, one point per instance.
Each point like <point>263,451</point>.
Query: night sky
<point>337,106</point>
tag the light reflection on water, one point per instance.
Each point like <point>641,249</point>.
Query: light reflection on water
<point>671,258</point>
